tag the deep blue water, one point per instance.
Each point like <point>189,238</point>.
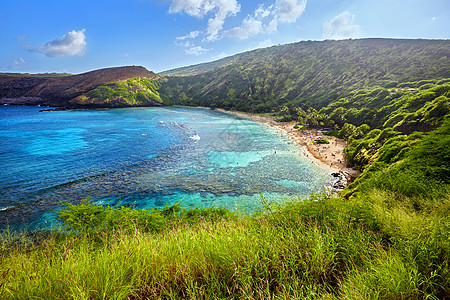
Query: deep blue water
<point>149,157</point>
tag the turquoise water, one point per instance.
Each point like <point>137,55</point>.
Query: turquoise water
<point>148,157</point>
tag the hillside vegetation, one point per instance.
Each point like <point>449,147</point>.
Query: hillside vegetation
<point>132,92</point>
<point>406,107</point>
<point>306,73</point>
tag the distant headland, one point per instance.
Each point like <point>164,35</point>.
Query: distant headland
<point>79,91</point>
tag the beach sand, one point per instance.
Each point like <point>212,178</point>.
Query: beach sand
<point>329,157</point>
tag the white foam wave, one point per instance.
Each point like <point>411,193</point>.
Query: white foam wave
<point>6,208</point>
<point>195,137</point>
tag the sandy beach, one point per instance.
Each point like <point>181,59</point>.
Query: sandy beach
<point>329,157</point>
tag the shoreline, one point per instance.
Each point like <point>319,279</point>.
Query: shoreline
<point>329,157</point>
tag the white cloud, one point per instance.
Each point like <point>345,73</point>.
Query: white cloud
<point>264,20</point>
<point>200,8</point>
<point>188,44</point>
<point>254,25</point>
<point>219,56</point>
<point>248,28</point>
<point>262,12</point>
<point>227,8</point>
<point>20,37</point>
<point>190,35</point>
<point>340,27</point>
<point>183,43</point>
<point>194,8</point>
<point>18,63</point>
<point>271,27</point>
<point>191,48</point>
<point>71,44</point>
<point>289,10</point>
<point>196,50</point>
<point>265,44</point>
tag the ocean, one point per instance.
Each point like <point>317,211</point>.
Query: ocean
<point>144,157</point>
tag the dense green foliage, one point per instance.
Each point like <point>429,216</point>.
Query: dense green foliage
<point>86,217</point>
<point>135,92</point>
<point>307,73</point>
<point>406,108</point>
<point>322,141</point>
<point>372,247</point>
<point>412,165</point>
<point>388,154</point>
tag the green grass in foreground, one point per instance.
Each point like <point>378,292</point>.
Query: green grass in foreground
<point>374,247</point>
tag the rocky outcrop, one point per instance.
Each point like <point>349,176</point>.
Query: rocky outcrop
<point>341,180</point>
<point>60,91</point>
<point>408,128</point>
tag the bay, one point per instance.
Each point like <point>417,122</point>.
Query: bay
<point>145,157</point>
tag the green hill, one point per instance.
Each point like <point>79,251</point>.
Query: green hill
<point>125,93</point>
<point>307,73</point>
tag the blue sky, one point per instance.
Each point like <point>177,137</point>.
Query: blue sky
<point>77,36</point>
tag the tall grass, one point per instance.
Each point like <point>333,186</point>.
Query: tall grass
<point>316,248</point>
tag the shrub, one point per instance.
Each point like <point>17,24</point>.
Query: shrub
<point>322,141</point>
<point>87,217</point>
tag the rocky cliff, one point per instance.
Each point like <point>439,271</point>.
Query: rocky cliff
<point>67,91</point>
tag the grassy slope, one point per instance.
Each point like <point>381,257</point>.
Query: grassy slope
<point>372,247</point>
<point>406,107</point>
<point>307,73</point>
<point>132,92</point>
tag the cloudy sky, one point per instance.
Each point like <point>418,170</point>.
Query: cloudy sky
<point>82,35</point>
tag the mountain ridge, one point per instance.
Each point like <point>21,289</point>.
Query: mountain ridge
<point>309,73</point>
<point>304,74</point>
<point>207,66</point>
<point>63,91</point>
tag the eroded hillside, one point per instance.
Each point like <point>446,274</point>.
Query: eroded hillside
<point>70,91</point>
